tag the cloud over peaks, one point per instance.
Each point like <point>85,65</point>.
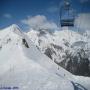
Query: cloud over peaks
<point>83,21</point>
<point>39,22</point>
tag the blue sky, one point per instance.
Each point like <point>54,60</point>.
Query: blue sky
<point>13,11</point>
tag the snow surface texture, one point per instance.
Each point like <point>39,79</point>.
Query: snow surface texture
<point>22,65</point>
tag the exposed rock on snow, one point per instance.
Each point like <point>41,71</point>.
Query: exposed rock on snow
<point>65,48</point>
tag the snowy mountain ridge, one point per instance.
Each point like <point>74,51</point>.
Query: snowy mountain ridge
<point>58,40</point>
<point>67,48</point>
<point>18,62</point>
<point>24,66</point>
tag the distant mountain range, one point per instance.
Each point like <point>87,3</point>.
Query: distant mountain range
<point>66,47</point>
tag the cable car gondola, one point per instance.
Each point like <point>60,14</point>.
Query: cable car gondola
<point>67,16</point>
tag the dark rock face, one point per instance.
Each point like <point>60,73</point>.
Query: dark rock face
<point>8,40</point>
<point>0,47</point>
<point>77,64</point>
<point>74,60</point>
<point>41,32</point>
<point>25,43</point>
<point>57,47</point>
<point>66,43</point>
<point>53,50</point>
<point>49,52</point>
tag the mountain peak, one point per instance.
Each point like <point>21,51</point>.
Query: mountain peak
<point>12,29</point>
<point>15,27</point>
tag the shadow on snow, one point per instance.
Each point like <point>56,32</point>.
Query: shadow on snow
<point>78,86</point>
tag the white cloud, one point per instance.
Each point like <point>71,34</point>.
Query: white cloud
<point>39,22</point>
<point>7,15</point>
<point>53,9</point>
<point>83,21</point>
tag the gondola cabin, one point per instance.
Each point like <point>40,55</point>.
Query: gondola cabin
<point>67,15</point>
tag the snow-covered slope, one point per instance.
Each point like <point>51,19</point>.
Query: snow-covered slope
<point>23,66</point>
<point>63,45</point>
